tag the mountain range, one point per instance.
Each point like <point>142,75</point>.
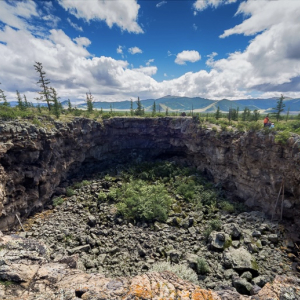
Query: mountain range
<point>197,104</point>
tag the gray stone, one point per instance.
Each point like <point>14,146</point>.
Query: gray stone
<point>79,249</point>
<point>247,275</point>
<point>260,280</point>
<point>218,241</point>
<point>240,259</point>
<point>242,286</point>
<point>273,238</point>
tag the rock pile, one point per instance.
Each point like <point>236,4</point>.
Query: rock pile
<point>244,254</point>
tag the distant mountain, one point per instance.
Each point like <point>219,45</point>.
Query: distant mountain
<point>176,103</point>
<point>15,103</point>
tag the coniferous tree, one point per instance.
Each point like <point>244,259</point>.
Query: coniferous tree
<point>256,115</point>
<point>287,114</point>
<point>167,111</point>
<point>39,108</point>
<point>69,105</point>
<point>26,103</point>
<point>89,102</point>
<point>43,82</point>
<point>153,109</point>
<point>56,103</point>
<point>20,105</point>
<point>237,113</point>
<point>218,114</point>
<point>3,98</point>
<point>139,109</point>
<point>244,114</point>
<point>131,107</point>
<point>279,108</point>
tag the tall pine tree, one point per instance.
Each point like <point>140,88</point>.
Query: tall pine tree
<point>279,108</point>
<point>43,82</point>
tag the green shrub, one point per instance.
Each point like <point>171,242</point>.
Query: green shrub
<point>240,127</point>
<point>77,185</point>
<point>214,225</point>
<point>142,201</point>
<point>214,128</point>
<point>69,192</point>
<point>85,183</point>
<point>282,137</point>
<point>58,201</point>
<point>202,266</point>
<point>223,127</point>
<point>227,206</point>
<point>182,271</point>
<point>102,196</point>
<point>254,126</point>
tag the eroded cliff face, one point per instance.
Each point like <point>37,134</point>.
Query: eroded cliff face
<point>36,162</point>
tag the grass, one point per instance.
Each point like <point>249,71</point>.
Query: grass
<point>58,201</point>
<point>182,271</point>
<point>6,283</point>
<point>69,192</point>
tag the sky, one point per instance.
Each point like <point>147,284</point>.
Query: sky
<point>124,49</point>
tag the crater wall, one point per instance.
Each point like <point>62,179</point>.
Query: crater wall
<point>35,162</point>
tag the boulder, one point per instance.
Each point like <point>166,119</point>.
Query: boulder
<point>242,286</point>
<point>219,241</point>
<point>240,260</point>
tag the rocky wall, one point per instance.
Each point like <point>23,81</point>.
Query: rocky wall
<point>35,162</point>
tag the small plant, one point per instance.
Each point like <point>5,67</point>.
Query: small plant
<point>223,127</point>
<point>102,197</point>
<point>77,185</point>
<point>69,192</point>
<point>6,283</point>
<point>141,201</point>
<point>227,206</point>
<point>214,128</point>
<point>58,201</point>
<point>282,137</point>
<point>202,266</point>
<point>182,271</point>
<point>213,225</point>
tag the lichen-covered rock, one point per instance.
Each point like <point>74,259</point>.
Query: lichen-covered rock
<point>219,241</point>
<point>240,259</point>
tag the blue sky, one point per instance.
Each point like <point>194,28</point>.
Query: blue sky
<point>122,49</point>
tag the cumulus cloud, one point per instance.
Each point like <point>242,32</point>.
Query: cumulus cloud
<point>120,49</point>
<point>149,70</point>
<point>149,62</point>
<point>122,13</point>
<point>134,50</point>
<point>161,3</point>
<point>16,14</point>
<point>200,5</point>
<point>187,55</point>
<point>270,64</point>
<point>74,25</point>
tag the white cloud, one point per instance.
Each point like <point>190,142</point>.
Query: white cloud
<point>120,49</point>
<point>195,26</point>
<point>149,62</point>
<point>269,65</point>
<point>187,55</point>
<point>11,12</point>
<point>165,75</point>
<point>51,20</point>
<point>200,5</point>
<point>210,60</point>
<point>149,70</point>
<point>74,25</point>
<point>134,50</point>
<point>169,53</point>
<point>161,3</point>
<point>118,12</point>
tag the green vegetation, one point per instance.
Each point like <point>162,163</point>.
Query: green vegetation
<point>202,266</point>
<point>213,225</point>
<point>181,270</point>
<point>6,283</point>
<point>140,201</point>
<point>58,201</point>
<point>69,192</point>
